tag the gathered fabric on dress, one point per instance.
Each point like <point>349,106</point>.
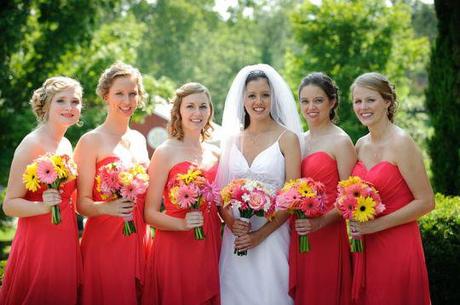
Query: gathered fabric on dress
<point>44,265</point>
<point>321,276</point>
<point>180,269</point>
<point>261,277</point>
<point>391,269</point>
<point>113,263</point>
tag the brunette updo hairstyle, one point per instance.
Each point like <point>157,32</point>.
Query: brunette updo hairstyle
<point>253,75</point>
<point>379,83</point>
<point>326,84</point>
<point>120,69</point>
<point>175,124</point>
<point>41,98</point>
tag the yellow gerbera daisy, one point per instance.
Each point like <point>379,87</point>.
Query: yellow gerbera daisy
<point>173,194</point>
<point>59,166</point>
<point>190,176</point>
<point>288,185</point>
<point>306,191</point>
<point>126,178</point>
<point>30,178</point>
<point>365,209</point>
<point>350,181</point>
<point>137,169</point>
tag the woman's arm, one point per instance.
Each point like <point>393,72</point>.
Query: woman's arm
<point>290,148</point>
<point>14,204</point>
<point>410,164</point>
<point>85,156</point>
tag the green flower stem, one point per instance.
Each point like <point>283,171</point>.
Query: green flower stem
<point>356,245</point>
<point>199,235</point>
<point>55,214</point>
<point>129,227</point>
<point>304,244</point>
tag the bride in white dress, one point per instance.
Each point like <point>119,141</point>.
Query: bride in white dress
<point>263,127</point>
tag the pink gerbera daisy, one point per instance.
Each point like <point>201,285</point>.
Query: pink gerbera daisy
<point>347,207</point>
<point>355,190</point>
<point>187,195</point>
<point>311,207</point>
<point>130,191</point>
<point>46,172</point>
<point>210,192</point>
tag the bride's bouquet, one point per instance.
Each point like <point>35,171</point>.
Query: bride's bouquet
<point>52,170</point>
<point>303,197</point>
<point>115,181</point>
<point>358,200</point>
<point>251,197</point>
<point>191,191</point>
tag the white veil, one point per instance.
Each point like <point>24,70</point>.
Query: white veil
<point>283,111</point>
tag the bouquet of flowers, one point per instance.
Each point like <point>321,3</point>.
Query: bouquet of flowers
<point>358,200</point>
<point>250,197</point>
<point>190,191</point>
<point>51,170</point>
<point>304,197</point>
<point>115,181</point>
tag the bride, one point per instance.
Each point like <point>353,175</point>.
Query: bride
<point>263,129</point>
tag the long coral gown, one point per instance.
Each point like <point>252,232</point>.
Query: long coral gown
<point>392,269</point>
<point>113,263</point>
<point>182,270</point>
<point>322,275</point>
<point>44,266</point>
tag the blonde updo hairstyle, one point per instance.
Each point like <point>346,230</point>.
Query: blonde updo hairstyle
<point>379,83</point>
<point>41,98</point>
<point>175,124</point>
<point>120,69</point>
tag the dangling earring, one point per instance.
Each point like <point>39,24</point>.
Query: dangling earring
<point>80,123</point>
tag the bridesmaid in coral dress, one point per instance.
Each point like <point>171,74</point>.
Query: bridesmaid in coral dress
<point>44,266</point>
<point>391,270</point>
<point>322,275</point>
<point>182,270</point>
<point>113,263</point>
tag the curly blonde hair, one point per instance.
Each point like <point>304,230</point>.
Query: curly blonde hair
<point>379,83</point>
<point>120,69</point>
<point>41,98</point>
<point>175,124</point>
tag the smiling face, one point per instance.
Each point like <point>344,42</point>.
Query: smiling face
<point>123,96</point>
<point>315,105</point>
<point>369,106</point>
<point>257,99</point>
<point>195,111</point>
<point>65,106</point>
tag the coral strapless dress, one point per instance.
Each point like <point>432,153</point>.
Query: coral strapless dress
<point>322,275</point>
<point>392,269</point>
<point>113,264</point>
<point>182,270</point>
<point>44,266</point>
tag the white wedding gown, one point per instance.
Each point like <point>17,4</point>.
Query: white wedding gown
<point>260,277</point>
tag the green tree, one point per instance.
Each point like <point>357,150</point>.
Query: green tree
<point>347,38</point>
<point>443,99</point>
<point>35,34</point>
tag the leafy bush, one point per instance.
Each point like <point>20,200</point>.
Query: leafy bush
<point>441,239</point>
